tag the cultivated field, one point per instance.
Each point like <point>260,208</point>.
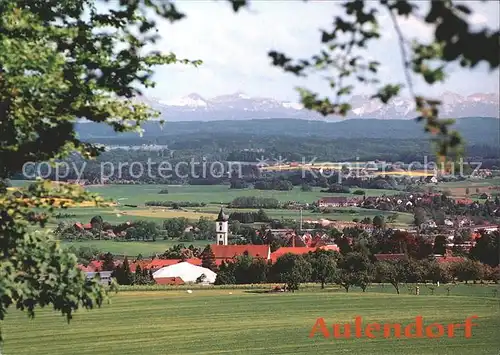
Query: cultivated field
<point>222,321</point>
<point>458,189</point>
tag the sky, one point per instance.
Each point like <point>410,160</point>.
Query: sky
<point>234,47</point>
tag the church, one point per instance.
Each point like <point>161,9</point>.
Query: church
<point>223,251</point>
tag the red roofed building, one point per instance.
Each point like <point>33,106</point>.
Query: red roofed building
<point>337,201</point>
<point>82,226</point>
<point>290,250</point>
<point>169,281</point>
<point>449,259</point>
<point>159,263</point>
<point>228,252</point>
<point>464,201</point>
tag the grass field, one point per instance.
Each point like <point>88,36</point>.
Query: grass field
<point>133,249</point>
<point>217,322</point>
<point>138,194</point>
<point>214,196</point>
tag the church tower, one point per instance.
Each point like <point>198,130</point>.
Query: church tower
<point>221,228</point>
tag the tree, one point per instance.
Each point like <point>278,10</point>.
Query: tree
<point>122,273</point>
<point>175,227</point>
<point>205,228</point>
<point>355,270</point>
<point>345,278</point>
<point>379,222</point>
<point>208,258</point>
<point>393,272</point>
<point>108,262</point>
<point>342,58</point>
<point>96,222</point>
<point>440,245</point>
<point>145,230</point>
<point>235,227</point>
<point>468,270</point>
<point>487,249</point>
<point>225,275</point>
<point>292,270</point>
<point>323,267</point>
<point>306,188</point>
<point>419,216</point>
<point>61,61</point>
<point>438,272</point>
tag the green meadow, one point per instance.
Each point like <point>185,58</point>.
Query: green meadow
<point>238,321</point>
<point>213,196</point>
<point>138,194</point>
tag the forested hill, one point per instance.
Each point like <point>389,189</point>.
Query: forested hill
<point>476,130</point>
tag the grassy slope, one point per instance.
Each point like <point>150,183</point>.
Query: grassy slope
<point>216,322</point>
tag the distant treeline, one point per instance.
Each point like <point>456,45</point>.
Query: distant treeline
<point>175,204</point>
<point>249,217</point>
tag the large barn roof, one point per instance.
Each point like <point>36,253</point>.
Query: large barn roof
<point>186,271</point>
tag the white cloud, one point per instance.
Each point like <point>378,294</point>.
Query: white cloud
<point>234,47</point>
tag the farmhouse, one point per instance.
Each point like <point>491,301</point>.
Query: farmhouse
<point>104,276</point>
<point>337,201</point>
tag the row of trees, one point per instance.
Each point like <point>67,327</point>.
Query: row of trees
<point>172,228</point>
<point>349,270</point>
<point>249,217</point>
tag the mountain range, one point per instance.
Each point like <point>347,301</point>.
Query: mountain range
<point>239,106</point>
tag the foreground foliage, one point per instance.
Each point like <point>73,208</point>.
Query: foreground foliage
<point>61,61</point>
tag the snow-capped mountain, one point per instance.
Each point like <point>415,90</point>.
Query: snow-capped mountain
<point>239,106</point>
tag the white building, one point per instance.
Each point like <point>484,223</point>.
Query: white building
<point>104,276</point>
<point>187,272</point>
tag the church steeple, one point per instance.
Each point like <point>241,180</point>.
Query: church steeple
<point>221,217</point>
<point>221,228</point>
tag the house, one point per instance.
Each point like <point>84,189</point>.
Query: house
<point>464,201</point>
<point>82,226</point>
<point>337,201</point>
<point>444,259</point>
<point>228,252</point>
<point>292,250</point>
<point>104,276</point>
<point>169,281</point>
<point>157,264</point>
<point>486,228</point>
